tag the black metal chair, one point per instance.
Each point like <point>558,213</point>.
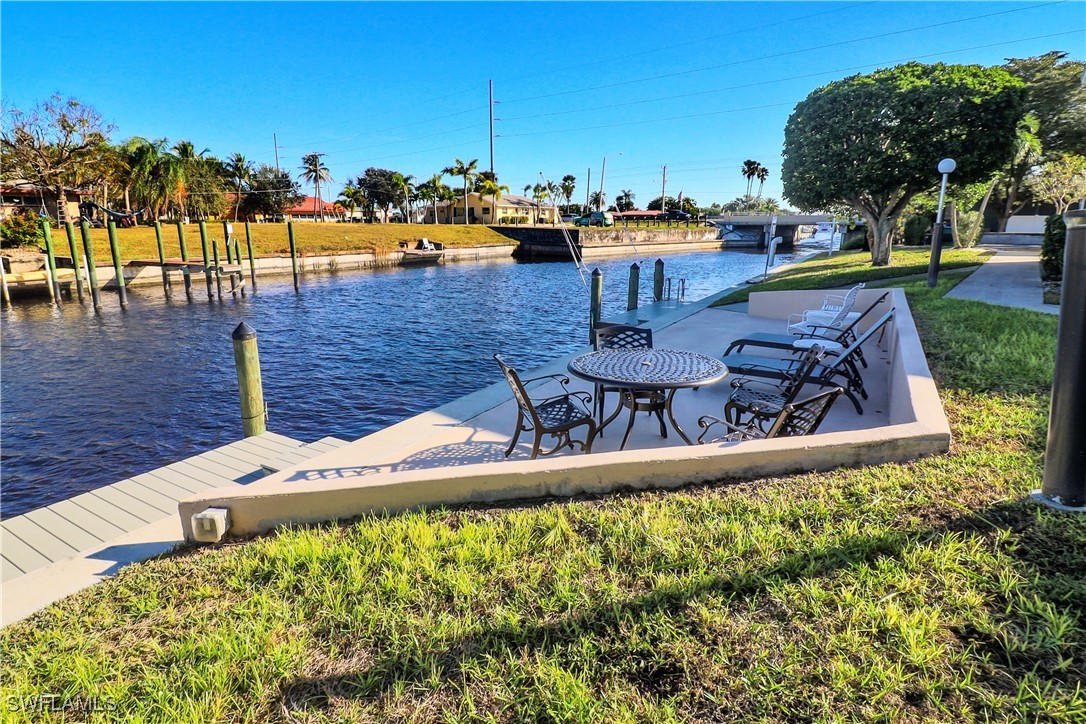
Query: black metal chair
<point>794,420</point>
<point>555,416</point>
<point>829,373</point>
<point>626,336</point>
<point>759,403</point>
<point>844,336</point>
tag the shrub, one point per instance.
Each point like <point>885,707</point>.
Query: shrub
<point>1052,248</point>
<point>20,230</point>
<point>915,230</point>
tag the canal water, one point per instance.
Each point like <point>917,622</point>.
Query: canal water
<point>88,400</point>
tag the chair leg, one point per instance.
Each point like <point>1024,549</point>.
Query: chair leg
<point>629,425</point>
<point>592,430</point>
<point>537,444</point>
<point>663,429</point>
<point>516,435</point>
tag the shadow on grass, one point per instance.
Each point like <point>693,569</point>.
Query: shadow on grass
<point>1054,580</point>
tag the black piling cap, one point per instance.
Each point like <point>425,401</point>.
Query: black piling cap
<point>243,332</point>
<point>596,272</point>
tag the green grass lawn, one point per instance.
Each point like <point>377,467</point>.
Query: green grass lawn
<point>852,267</point>
<point>928,591</point>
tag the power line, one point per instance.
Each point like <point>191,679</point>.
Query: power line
<point>774,56</point>
<point>790,78</point>
<point>387,130</point>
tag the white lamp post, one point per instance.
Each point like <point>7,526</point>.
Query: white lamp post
<point>603,172</point>
<point>946,167</point>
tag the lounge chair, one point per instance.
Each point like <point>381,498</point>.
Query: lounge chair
<point>829,373</point>
<point>793,420</point>
<point>555,416</point>
<point>836,312</point>
<point>844,336</point>
<point>760,403</point>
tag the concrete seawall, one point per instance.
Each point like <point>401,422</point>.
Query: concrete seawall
<point>550,243</point>
<point>279,264</point>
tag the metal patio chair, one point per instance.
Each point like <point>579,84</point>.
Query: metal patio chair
<point>555,416</point>
<point>759,403</point>
<point>794,419</point>
<point>836,312</point>
<point>622,336</point>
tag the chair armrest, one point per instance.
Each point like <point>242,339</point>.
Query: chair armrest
<point>706,422</point>
<point>747,382</point>
<point>561,378</point>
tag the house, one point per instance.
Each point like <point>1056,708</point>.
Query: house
<point>21,196</point>
<point>308,210</point>
<point>508,209</point>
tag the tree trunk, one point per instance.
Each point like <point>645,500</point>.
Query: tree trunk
<point>880,229</point>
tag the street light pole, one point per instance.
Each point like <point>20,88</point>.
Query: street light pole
<point>946,167</point>
<point>603,172</point>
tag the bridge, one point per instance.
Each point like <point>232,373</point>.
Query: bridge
<point>743,230</point>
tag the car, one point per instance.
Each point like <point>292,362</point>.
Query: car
<point>676,215</point>
<point>568,218</point>
<point>596,218</point>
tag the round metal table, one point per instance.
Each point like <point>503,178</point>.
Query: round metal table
<point>648,379</point>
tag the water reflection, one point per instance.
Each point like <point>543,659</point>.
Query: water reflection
<point>90,399</point>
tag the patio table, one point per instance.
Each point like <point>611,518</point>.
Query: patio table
<point>648,378</point>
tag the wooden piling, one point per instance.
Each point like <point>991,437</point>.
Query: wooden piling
<point>207,265</point>
<point>118,270</point>
<point>162,259</point>
<point>4,284</point>
<point>252,259</point>
<point>70,231</point>
<point>595,304</point>
<point>254,417</point>
<point>92,270</point>
<point>635,283</point>
<point>50,261</point>
<point>658,281</point>
<point>293,253</point>
<point>185,274</point>
<point>218,267</point>
<point>226,235</point>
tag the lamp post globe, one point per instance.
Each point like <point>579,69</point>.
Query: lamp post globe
<point>947,165</point>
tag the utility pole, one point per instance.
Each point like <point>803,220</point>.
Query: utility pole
<point>275,143</point>
<point>491,106</point>
<point>587,191</point>
<point>663,191</point>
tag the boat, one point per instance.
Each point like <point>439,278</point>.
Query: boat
<point>422,252</point>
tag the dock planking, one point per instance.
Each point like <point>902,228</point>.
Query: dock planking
<point>87,521</point>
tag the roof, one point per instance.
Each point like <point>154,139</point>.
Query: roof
<point>20,186</point>
<point>505,200</point>
<point>309,206</point>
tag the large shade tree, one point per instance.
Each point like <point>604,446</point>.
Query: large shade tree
<point>874,141</point>
<point>270,192</point>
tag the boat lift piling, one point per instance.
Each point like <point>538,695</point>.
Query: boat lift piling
<point>293,254</point>
<point>658,281</point>
<point>50,262</point>
<point>69,229</point>
<point>162,259</point>
<point>4,284</point>
<point>595,309</point>
<point>117,267</point>
<point>92,271</point>
<point>252,259</point>
<point>207,266</point>
<point>184,257</point>
<point>218,267</point>
<point>635,283</point>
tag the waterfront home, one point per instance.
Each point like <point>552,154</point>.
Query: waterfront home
<point>307,210</point>
<point>20,196</point>
<point>508,209</point>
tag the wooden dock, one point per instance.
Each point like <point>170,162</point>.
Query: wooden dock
<point>72,528</point>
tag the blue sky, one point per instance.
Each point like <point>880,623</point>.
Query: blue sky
<point>697,86</point>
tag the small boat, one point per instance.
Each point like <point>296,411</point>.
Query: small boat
<point>422,252</point>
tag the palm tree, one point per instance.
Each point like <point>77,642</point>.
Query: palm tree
<point>467,170</point>
<point>352,197</point>
<point>625,200</point>
<point>157,176</point>
<point>540,194</point>
<point>494,191</point>
<point>314,171</point>
<point>238,170</point>
<point>403,183</point>
<point>762,174</point>
<point>597,199</point>
<point>750,170</point>
<point>568,186</point>
<point>447,195</point>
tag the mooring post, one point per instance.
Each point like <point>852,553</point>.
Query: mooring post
<point>185,273</point>
<point>254,417</point>
<point>635,283</point>
<point>293,253</point>
<point>92,270</point>
<point>1064,483</point>
<point>162,259</point>
<point>50,261</point>
<point>118,270</point>
<point>4,284</point>
<point>207,265</point>
<point>595,304</point>
<point>69,229</point>
<point>226,229</point>
<point>658,281</point>
<point>252,259</point>
<point>218,267</point>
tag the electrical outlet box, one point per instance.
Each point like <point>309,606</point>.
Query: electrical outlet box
<point>209,526</point>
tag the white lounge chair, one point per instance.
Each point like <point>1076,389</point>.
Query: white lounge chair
<point>836,312</point>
